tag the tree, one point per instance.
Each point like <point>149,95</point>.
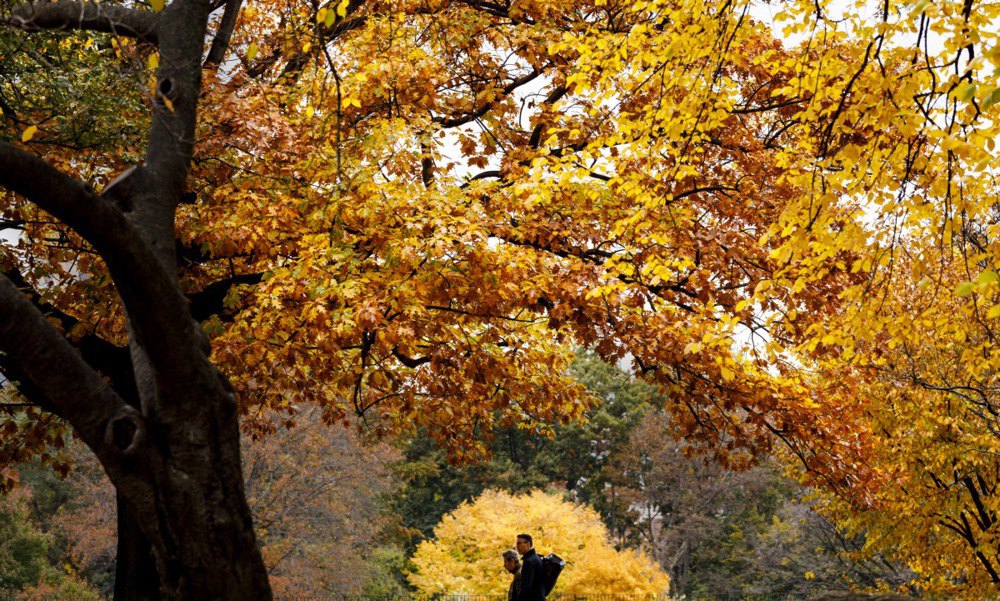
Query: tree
<point>680,181</point>
<point>464,556</point>
<point>24,547</point>
<point>25,572</point>
<point>172,447</point>
<point>319,499</point>
<point>576,456</point>
<point>718,531</point>
<point>317,495</point>
<point>932,430</point>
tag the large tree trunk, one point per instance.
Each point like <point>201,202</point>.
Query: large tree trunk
<point>174,458</point>
<point>136,578</point>
<point>197,520</point>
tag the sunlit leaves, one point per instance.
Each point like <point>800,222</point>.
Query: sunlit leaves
<point>464,556</point>
<point>789,227</point>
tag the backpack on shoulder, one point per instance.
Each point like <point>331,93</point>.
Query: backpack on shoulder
<point>552,566</point>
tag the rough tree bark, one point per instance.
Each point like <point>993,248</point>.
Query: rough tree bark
<point>174,459</point>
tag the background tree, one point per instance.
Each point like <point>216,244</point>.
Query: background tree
<point>463,556</point>
<point>317,495</point>
<point>577,457</point>
<point>26,554</point>
<point>718,531</point>
<point>24,548</point>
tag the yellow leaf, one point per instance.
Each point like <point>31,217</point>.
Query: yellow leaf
<point>153,61</point>
<point>29,133</point>
<point>252,51</point>
<point>994,312</point>
<point>992,97</point>
<point>342,8</point>
<point>965,289</point>
<point>965,92</point>
<point>987,276</point>
<point>157,5</point>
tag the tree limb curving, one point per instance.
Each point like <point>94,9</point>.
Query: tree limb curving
<point>89,16</point>
<point>54,368</point>
<point>158,310</point>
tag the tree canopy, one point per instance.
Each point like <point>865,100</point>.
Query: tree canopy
<point>782,216</point>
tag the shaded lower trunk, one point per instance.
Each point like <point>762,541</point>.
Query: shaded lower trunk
<point>185,516</point>
<point>136,578</point>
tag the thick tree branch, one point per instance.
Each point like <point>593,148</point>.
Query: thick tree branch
<point>108,359</point>
<point>28,390</point>
<point>163,177</point>
<point>45,359</point>
<point>90,16</point>
<point>220,43</point>
<point>66,198</point>
<point>156,307</point>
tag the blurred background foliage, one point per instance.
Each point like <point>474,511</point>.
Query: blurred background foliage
<point>340,512</point>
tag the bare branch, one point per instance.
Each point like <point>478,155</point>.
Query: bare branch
<point>325,34</point>
<point>71,15</point>
<point>448,122</point>
<point>220,43</point>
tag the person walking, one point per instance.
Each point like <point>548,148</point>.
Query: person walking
<point>513,565</point>
<point>532,578</point>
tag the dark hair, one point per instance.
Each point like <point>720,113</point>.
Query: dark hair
<point>526,538</point>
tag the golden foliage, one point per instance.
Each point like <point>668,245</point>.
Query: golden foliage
<point>787,222</point>
<point>464,556</point>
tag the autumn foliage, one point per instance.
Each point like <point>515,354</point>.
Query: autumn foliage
<point>464,555</point>
<point>414,210</point>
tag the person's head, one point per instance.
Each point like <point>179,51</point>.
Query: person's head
<point>510,561</point>
<point>524,543</point>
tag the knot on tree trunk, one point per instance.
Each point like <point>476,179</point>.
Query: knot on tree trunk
<point>125,431</point>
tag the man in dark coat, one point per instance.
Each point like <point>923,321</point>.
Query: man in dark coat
<point>532,578</point>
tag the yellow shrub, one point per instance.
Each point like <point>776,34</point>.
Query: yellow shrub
<point>464,556</point>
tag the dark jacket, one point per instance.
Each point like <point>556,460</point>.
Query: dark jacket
<point>515,587</point>
<point>532,579</point>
